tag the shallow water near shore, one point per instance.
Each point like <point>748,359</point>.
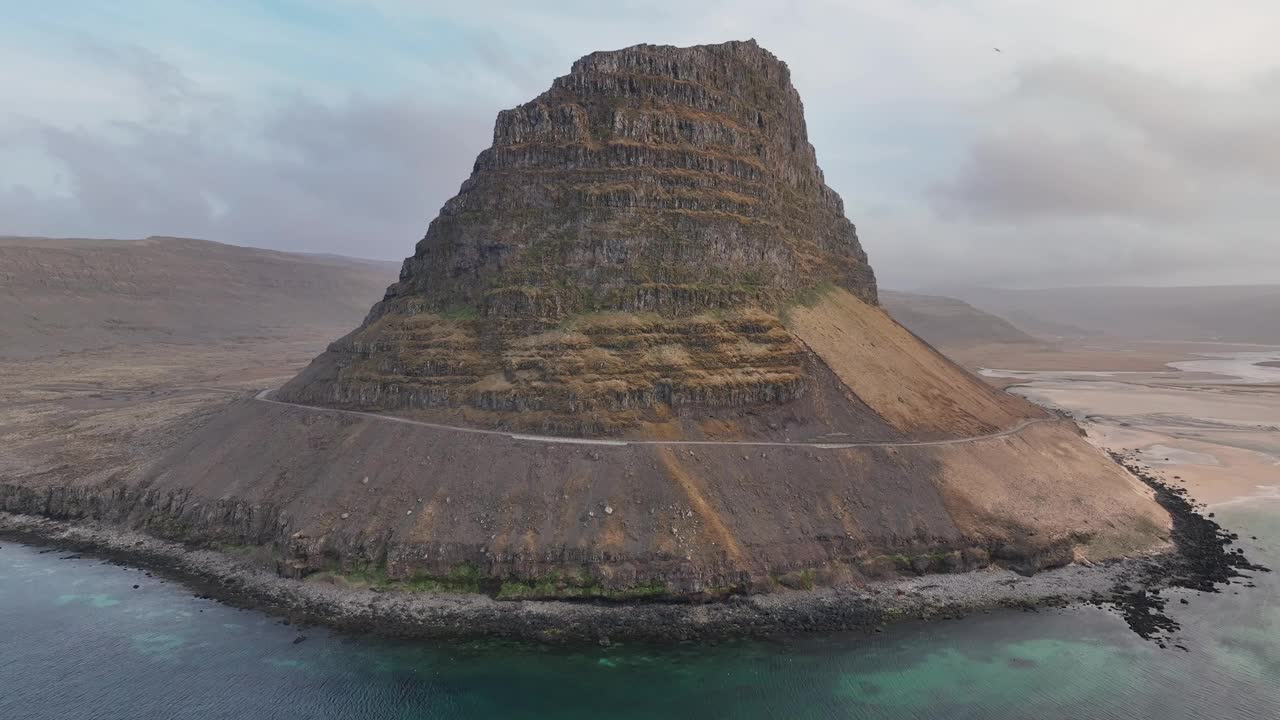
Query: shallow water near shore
<point>80,641</point>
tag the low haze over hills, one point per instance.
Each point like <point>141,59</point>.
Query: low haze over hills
<point>72,294</point>
<point>1229,313</point>
<point>948,322</point>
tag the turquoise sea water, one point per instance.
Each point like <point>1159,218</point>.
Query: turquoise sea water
<point>78,641</point>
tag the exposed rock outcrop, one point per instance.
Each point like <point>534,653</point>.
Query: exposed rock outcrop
<point>651,179</point>
<point>624,245</point>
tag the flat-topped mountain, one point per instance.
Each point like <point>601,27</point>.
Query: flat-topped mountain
<point>651,179</point>
<point>629,246</point>
<point>638,355</point>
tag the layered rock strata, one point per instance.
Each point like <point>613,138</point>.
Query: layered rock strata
<point>624,245</point>
<point>361,499</point>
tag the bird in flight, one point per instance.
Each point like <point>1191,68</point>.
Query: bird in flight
<point>996,49</point>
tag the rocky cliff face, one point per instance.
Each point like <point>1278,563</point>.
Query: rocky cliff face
<point>625,245</point>
<point>662,179</point>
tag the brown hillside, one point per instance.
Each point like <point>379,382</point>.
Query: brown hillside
<point>61,295</point>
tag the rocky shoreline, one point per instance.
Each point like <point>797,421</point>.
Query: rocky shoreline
<point>240,582</point>
<point>1202,561</point>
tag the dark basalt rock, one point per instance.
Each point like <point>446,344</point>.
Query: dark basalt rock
<point>648,171</point>
<point>1202,563</point>
<point>624,245</point>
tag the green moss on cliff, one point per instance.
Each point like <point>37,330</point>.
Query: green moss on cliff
<point>465,578</point>
<point>565,585</point>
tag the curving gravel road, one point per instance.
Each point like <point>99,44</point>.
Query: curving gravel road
<point>262,396</point>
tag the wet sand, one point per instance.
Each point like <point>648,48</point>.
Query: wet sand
<point>1076,355</point>
<point>1207,423</point>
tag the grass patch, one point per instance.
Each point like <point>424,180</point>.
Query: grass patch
<point>460,312</point>
<point>798,579</point>
<point>649,591</point>
<point>371,574</point>
<point>464,578</point>
<point>808,297</point>
<point>567,586</point>
<point>811,296</point>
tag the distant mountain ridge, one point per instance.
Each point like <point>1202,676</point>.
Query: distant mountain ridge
<point>66,294</point>
<point>77,293</point>
<point>1223,313</point>
<point>947,322</point>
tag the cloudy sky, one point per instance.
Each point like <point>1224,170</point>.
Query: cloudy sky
<point>1109,142</point>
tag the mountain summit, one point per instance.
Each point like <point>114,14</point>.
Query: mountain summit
<point>628,247</point>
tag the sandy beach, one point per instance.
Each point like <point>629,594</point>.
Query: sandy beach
<point>1210,422</point>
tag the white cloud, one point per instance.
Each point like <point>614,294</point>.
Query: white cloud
<point>1139,131</point>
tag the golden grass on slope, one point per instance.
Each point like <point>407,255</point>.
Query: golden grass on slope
<point>909,384</point>
<point>1050,483</point>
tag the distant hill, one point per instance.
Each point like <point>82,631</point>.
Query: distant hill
<point>74,294</point>
<point>1225,313</point>
<point>949,323</point>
